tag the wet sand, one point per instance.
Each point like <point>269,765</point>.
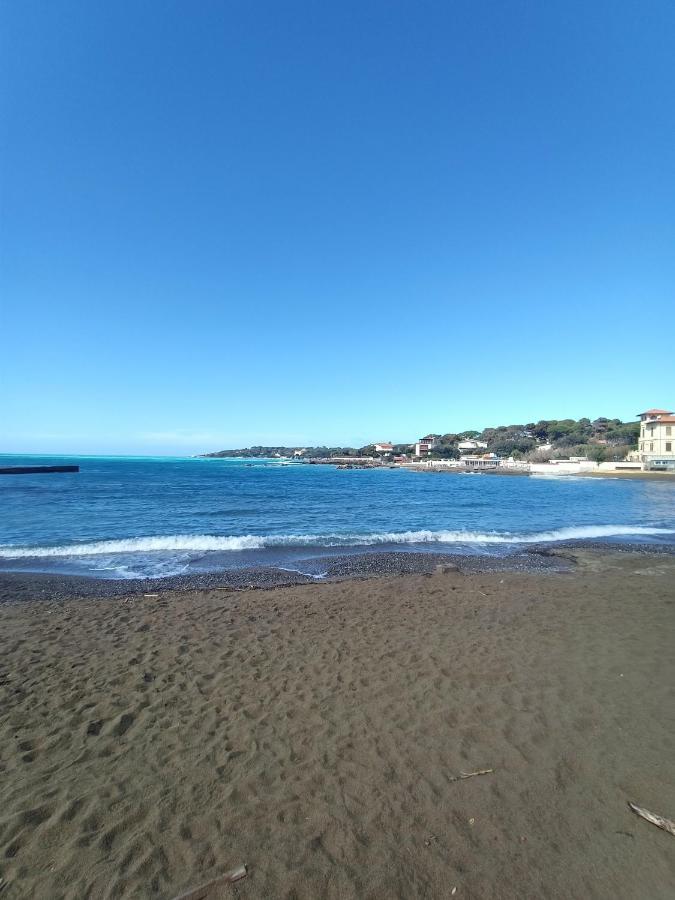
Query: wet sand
<point>317,732</point>
<point>18,586</point>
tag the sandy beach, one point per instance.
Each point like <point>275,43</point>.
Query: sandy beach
<point>318,732</point>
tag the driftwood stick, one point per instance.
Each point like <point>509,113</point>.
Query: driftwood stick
<point>660,822</point>
<point>473,774</point>
<point>202,892</point>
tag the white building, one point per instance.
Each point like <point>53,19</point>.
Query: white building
<point>486,461</point>
<point>425,445</point>
<point>384,448</point>
<point>471,446</point>
<point>657,440</point>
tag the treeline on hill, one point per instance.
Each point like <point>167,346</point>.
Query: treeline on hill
<point>599,439</point>
<point>271,452</point>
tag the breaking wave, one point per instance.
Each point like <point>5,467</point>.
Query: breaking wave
<point>204,543</point>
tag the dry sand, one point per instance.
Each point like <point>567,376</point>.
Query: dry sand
<point>316,732</point>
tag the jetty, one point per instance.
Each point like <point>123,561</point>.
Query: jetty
<point>36,470</point>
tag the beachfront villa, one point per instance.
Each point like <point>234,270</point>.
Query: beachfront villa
<point>657,440</point>
<point>482,461</point>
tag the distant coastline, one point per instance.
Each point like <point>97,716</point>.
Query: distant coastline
<point>549,447</point>
<point>599,439</point>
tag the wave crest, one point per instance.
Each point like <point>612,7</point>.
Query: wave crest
<point>204,543</point>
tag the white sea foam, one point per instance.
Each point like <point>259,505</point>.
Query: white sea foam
<point>494,537</point>
<point>195,543</point>
<point>204,543</point>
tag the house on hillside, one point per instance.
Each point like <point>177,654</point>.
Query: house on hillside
<point>657,440</point>
<point>471,446</point>
<point>425,445</point>
<point>385,449</point>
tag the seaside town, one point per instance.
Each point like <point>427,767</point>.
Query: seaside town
<point>548,447</point>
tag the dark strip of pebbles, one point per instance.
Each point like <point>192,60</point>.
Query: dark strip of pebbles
<point>17,586</point>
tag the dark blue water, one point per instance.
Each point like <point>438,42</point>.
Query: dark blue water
<point>123,517</point>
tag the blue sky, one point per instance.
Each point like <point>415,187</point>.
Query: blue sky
<point>228,223</point>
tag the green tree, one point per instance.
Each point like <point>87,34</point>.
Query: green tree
<point>597,453</point>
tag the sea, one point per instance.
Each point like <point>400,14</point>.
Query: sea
<point>131,517</point>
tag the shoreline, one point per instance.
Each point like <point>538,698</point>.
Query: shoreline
<point>318,734</point>
<point>499,470</point>
<point>627,473</point>
<point>22,586</point>
<point>17,586</point>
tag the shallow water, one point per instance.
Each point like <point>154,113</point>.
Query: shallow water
<point>150,517</point>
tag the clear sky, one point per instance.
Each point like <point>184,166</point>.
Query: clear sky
<point>226,223</point>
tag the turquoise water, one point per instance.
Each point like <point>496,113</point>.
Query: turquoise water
<point>128,517</point>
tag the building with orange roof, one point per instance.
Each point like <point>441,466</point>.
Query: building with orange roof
<point>384,448</point>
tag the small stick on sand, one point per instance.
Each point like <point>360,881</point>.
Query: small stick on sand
<point>666,824</point>
<point>473,774</point>
<point>202,892</point>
